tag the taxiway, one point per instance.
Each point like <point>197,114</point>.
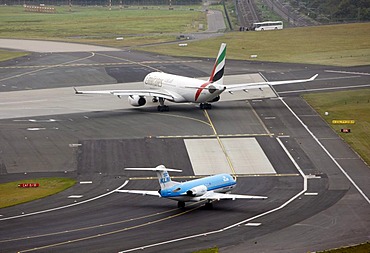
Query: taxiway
<point>318,194</point>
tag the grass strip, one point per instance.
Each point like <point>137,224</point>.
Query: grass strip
<point>8,55</point>
<point>361,248</point>
<point>337,45</point>
<point>11,194</point>
<point>98,24</point>
<point>347,105</point>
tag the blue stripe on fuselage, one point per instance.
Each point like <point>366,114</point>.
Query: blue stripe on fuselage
<point>213,183</point>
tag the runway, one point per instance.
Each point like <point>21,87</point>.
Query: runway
<point>46,130</point>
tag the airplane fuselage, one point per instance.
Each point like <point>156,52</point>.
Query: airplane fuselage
<point>184,89</point>
<point>194,189</point>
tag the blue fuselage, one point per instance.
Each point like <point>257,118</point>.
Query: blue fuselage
<point>216,183</point>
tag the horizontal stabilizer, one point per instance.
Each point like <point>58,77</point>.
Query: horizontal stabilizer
<point>218,196</point>
<point>142,192</point>
<point>153,169</point>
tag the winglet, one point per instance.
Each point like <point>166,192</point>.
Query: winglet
<point>314,77</point>
<point>76,91</point>
<point>293,81</point>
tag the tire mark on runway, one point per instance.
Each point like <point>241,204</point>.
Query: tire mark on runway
<point>114,231</point>
<point>185,117</point>
<point>133,62</point>
<point>93,227</point>
<point>97,64</point>
<point>48,67</point>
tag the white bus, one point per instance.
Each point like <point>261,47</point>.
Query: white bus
<point>268,25</point>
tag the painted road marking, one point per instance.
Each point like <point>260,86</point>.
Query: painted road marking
<point>75,196</point>
<point>251,224</point>
<point>63,207</point>
<point>311,193</point>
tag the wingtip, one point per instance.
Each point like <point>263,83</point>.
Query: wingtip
<point>76,91</point>
<point>314,77</point>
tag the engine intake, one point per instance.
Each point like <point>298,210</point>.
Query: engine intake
<point>215,99</point>
<point>136,100</point>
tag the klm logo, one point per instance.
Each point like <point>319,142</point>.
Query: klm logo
<point>165,178</point>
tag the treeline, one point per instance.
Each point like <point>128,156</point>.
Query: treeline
<point>335,10</point>
<point>100,2</point>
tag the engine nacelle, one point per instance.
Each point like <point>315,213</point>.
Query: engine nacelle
<point>197,191</point>
<point>136,100</point>
<point>215,99</point>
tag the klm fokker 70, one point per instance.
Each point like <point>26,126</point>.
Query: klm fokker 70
<point>181,89</point>
<point>207,189</point>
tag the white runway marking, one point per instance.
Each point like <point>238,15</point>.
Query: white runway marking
<point>311,194</point>
<point>75,196</point>
<point>328,153</point>
<point>348,72</point>
<point>66,206</point>
<point>253,224</point>
<point>324,89</point>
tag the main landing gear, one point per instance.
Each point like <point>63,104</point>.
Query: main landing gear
<point>181,204</point>
<point>205,106</point>
<point>161,107</point>
<point>208,205</point>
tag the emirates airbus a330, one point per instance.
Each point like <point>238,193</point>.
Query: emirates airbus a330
<point>181,89</point>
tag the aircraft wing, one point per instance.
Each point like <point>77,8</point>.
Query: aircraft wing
<point>260,85</point>
<point>150,93</point>
<point>219,196</point>
<point>141,192</point>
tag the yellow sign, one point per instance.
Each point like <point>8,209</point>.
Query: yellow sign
<point>343,121</point>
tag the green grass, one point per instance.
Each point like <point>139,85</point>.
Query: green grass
<point>7,55</point>
<point>210,250</point>
<point>340,45</point>
<point>11,195</point>
<point>98,24</point>
<point>362,248</point>
<point>352,105</point>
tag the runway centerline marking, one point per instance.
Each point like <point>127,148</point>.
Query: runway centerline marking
<point>220,142</point>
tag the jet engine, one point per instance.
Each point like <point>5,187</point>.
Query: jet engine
<point>215,99</point>
<point>136,100</point>
<point>197,191</point>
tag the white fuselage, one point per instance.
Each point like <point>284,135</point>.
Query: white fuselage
<point>184,89</point>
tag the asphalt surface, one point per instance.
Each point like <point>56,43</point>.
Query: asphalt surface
<point>312,205</point>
